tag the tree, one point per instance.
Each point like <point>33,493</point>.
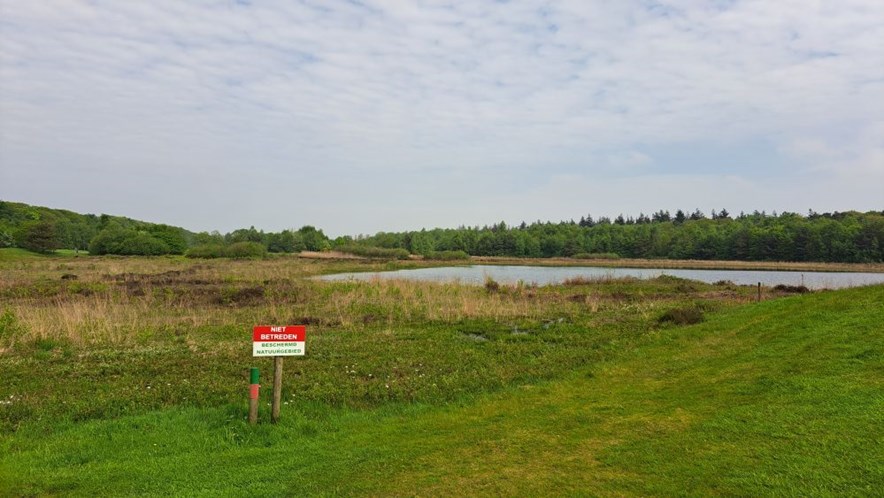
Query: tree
<point>171,236</point>
<point>421,243</point>
<point>6,238</point>
<point>314,240</point>
<point>117,240</point>
<point>108,240</point>
<point>283,241</point>
<point>245,235</point>
<point>680,217</point>
<point>661,216</point>
<point>206,238</point>
<point>39,236</point>
<point>142,244</point>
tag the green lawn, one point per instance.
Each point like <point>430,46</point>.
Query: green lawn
<point>16,254</point>
<point>784,397</point>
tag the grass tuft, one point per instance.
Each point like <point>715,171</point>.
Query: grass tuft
<point>682,316</point>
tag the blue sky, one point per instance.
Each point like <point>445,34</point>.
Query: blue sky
<point>360,117</point>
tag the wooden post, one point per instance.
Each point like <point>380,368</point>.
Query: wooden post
<point>759,292</point>
<point>254,388</point>
<point>277,388</point>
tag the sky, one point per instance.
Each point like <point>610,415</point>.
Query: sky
<point>384,115</point>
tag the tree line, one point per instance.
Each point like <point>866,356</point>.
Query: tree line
<point>42,229</point>
<point>825,237</point>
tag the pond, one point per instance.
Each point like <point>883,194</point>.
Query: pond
<point>545,275</point>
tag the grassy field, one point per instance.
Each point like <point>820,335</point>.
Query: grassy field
<point>128,376</point>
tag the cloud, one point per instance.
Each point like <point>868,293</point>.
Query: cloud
<point>125,101</point>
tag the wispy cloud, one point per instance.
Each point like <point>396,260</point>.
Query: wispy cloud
<point>220,114</point>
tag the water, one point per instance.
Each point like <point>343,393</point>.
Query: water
<point>544,275</point>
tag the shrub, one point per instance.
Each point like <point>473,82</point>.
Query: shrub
<point>116,240</point>
<point>9,326</point>
<point>374,252</point>
<point>107,241</point>
<point>581,280</point>
<point>596,255</point>
<point>6,238</point>
<point>142,244</point>
<point>245,250</point>
<point>205,251</point>
<point>491,285</point>
<point>682,316</point>
<point>796,289</point>
<point>447,255</point>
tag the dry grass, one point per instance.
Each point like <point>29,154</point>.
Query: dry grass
<point>121,307</point>
<point>127,300</point>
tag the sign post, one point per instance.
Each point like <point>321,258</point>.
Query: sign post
<point>254,388</point>
<point>278,342</point>
<point>277,389</point>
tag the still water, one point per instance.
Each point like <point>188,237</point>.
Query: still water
<point>544,275</point>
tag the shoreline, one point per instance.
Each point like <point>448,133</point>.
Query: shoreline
<point>686,264</point>
<point>665,264</point>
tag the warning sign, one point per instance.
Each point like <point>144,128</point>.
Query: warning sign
<point>287,340</point>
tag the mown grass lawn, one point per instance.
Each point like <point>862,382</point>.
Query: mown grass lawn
<point>784,397</point>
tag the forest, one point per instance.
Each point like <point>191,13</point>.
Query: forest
<point>846,237</point>
<point>828,237</point>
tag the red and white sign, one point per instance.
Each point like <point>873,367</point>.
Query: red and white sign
<point>287,340</point>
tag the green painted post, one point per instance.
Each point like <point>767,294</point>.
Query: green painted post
<point>254,388</point>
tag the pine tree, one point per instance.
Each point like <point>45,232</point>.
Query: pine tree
<point>39,236</point>
<point>680,217</point>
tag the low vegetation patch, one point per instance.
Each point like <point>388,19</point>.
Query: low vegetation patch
<point>491,285</point>
<point>596,255</point>
<point>206,251</point>
<point>374,252</point>
<point>447,256</point>
<point>9,326</point>
<point>591,280</point>
<point>687,315</point>
<point>237,250</point>
<point>791,289</point>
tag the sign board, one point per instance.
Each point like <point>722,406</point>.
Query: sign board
<point>288,340</point>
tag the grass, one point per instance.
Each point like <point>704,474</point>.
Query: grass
<point>371,343</point>
<point>16,254</point>
<point>432,389</point>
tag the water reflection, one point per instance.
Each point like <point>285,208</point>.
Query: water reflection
<point>544,275</point>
